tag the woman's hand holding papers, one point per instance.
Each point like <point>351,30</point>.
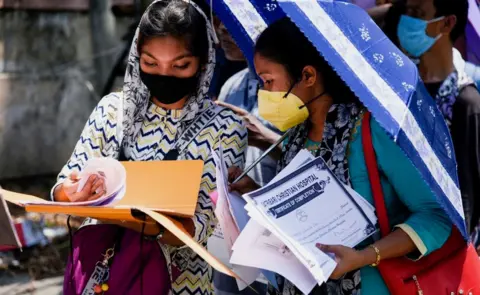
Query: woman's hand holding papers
<point>244,185</point>
<point>347,259</point>
<point>398,243</point>
<point>93,189</point>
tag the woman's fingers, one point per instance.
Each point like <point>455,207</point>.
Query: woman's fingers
<point>89,184</point>
<point>235,187</point>
<point>244,185</point>
<point>101,192</point>
<point>94,188</point>
<point>237,110</point>
<point>98,185</point>
<point>233,173</point>
<point>86,192</point>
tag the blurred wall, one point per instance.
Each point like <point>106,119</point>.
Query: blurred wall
<point>47,86</point>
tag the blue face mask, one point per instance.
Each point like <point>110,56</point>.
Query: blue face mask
<point>413,36</point>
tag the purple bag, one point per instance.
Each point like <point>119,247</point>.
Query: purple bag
<point>137,266</point>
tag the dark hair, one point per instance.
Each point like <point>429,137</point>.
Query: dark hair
<point>459,8</point>
<point>282,42</point>
<point>179,19</point>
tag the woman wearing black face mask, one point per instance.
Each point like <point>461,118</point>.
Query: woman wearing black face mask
<point>168,75</point>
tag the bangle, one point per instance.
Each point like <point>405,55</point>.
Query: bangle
<point>156,237</point>
<point>161,233</point>
<point>377,252</point>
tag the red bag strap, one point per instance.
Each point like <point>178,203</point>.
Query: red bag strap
<point>374,176</point>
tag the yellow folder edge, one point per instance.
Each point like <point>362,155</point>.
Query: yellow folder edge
<point>177,229</point>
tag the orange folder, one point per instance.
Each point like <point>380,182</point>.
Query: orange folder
<point>169,187</point>
<point>160,189</point>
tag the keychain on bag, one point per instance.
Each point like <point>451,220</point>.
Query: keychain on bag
<point>97,284</point>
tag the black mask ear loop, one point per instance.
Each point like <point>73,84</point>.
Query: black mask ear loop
<point>290,89</point>
<point>307,103</point>
<point>312,100</point>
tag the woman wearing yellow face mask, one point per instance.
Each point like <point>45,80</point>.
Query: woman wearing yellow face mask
<point>303,94</point>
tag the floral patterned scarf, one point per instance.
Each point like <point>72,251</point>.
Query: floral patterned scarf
<point>333,149</point>
<point>448,93</point>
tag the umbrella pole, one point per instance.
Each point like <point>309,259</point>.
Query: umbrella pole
<point>268,151</point>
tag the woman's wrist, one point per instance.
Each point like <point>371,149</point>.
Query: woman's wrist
<point>272,137</point>
<point>268,139</point>
<point>369,256</point>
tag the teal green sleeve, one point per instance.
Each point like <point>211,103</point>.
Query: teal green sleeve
<point>428,225</point>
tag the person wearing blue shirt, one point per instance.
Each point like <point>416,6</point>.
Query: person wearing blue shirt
<point>230,59</point>
<point>239,93</point>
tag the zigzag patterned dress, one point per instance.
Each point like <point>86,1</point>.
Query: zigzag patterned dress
<point>158,133</point>
<point>129,124</point>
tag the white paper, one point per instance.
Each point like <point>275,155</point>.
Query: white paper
<point>326,261</point>
<point>114,175</point>
<point>217,246</point>
<point>228,226</point>
<point>222,208</point>
<point>367,208</point>
<point>310,206</point>
<point>304,157</point>
<point>258,247</point>
<point>109,169</point>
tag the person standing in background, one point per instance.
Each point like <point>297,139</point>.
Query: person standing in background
<point>471,69</point>
<point>239,93</point>
<point>230,59</point>
<point>427,31</point>
<point>388,17</point>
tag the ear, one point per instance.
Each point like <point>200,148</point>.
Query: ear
<point>449,23</point>
<point>309,76</point>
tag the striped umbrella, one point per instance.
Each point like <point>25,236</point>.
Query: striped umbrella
<point>472,32</point>
<point>384,79</point>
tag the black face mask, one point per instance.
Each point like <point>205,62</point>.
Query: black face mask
<point>169,89</point>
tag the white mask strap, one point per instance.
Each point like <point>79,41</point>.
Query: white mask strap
<point>436,19</point>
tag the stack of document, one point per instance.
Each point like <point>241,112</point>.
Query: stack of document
<point>301,207</point>
<point>232,217</point>
<point>113,174</point>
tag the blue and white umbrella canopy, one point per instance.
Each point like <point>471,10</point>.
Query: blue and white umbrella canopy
<point>384,79</point>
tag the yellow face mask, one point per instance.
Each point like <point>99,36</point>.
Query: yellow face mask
<point>282,110</point>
